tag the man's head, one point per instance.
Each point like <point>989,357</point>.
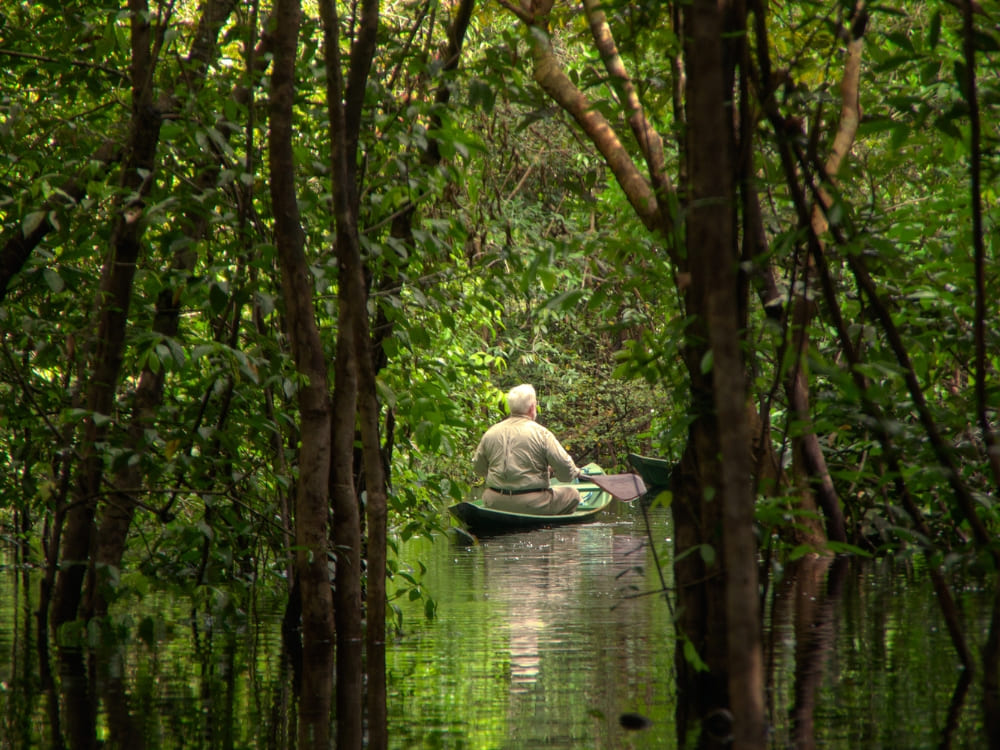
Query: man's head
<point>522,401</point>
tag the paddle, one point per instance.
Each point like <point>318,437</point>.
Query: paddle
<point>624,487</point>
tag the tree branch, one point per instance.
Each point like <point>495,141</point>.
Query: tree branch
<point>548,73</point>
<point>34,228</point>
<point>59,61</point>
<point>648,139</point>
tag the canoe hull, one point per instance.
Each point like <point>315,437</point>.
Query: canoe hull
<point>481,520</point>
<point>655,472</point>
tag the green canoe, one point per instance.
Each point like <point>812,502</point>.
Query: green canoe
<point>655,472</point>
<point>480,520</point>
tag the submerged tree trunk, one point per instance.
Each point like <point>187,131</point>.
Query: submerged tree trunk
<point>312,491</point>
<point>376,508</point>
<point>346,538</point>
<point>807,602</point>
<point>700,657</point>
<point>991,674</point>
<point>344,106</point>
<point>712,253</point>
<point>119,510</point>
<point>115,299</point>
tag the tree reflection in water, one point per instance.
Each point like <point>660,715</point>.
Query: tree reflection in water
<point>542,639</point>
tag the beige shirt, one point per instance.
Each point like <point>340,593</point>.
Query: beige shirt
<point>516,454</point>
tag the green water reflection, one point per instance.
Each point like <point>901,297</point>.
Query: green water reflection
<point>541,639</point>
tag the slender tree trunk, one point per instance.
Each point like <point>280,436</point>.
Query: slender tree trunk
<point>347,536</point>
<point>375,504</point>
<point>712,249</point>
<point>114,302</point>
<point>991,649</point>
<point>344,110</point>
<point>346,210</point>
<point>812,480</point>
<point>312,490</point>
<point>371,358</point>
<point>118,512</point>
<point>969,88</point>
<point>991,674</point>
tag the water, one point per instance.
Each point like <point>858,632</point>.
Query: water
<point>541,639</point>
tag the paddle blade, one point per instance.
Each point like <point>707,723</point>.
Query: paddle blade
<point>624,487</point>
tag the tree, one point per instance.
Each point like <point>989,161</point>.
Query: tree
<point>791,264</point>
<point>754,91</point>
<point>311,504</point>
<point>711,250</point>
<point>137,177</point>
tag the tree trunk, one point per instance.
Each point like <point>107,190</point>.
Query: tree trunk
<point>347,535</point>
<point>991,674</point>
<point>115,298</point>
<point>700,596</point>
<point>371,358</point>
<point>344,109</point>
<point>312,491</point>
<point>375,504</point>
<point>812,479</point>
<point>118,512</point>
<point>712,250</point>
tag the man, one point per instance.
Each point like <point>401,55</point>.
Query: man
<point>515,456</point>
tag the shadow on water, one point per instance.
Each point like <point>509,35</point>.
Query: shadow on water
<point>552,638</point>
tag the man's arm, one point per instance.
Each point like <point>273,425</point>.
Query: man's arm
<point>560,461</point>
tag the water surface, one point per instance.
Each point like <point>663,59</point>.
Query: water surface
<point>540,639</point>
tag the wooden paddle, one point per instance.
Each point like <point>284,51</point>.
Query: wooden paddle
<point>624,487</point>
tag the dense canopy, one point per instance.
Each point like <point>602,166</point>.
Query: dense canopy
<point>266,271</point>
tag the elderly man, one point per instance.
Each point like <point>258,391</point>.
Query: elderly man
<point>515,456</point>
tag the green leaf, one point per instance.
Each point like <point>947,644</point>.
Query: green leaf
<point>707,552</point>
<point>706,362</point>
<point>54,280</point>
<point>691,656</point>
<point>565,301</point>
<point>218,298</point>
<point>934,32</point>
<point>31,222</point>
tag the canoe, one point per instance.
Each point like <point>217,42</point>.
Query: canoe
<point>655,472</point>
<point>480,520</point>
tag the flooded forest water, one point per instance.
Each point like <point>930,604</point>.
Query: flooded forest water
<point>538,639</point>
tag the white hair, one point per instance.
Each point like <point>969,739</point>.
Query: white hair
<point>520,399</point>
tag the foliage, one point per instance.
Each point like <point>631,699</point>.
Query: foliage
<point>525,264</point>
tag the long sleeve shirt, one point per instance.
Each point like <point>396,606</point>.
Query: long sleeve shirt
<point>516,454</point>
